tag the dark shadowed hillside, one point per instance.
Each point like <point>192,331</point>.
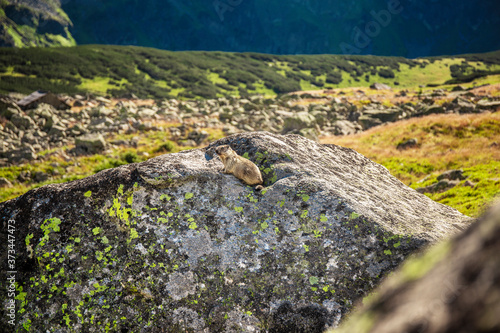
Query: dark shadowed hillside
<point>414,28</point>
<point>405,28</point>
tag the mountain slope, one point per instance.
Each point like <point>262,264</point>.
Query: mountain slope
<point>151,73</point>
<point>34,23</point>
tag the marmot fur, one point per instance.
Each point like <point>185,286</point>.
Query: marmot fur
<point>240,167</point>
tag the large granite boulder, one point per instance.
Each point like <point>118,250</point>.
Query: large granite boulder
<point>174,245</point>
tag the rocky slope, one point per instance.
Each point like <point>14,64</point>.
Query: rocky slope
<point>25,23</point>
<point>26,133</point>
<point>173,243</point>
<point>452,288</point>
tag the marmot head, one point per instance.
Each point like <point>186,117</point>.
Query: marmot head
<point>223,150</point>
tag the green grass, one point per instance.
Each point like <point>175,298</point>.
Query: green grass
<point>467,199</point>
<point>151,73</point>
<point>151,144</point>
<point>445,142</point>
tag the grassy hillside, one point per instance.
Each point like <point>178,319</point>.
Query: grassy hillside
<point>470,142</point>
<point>151,73</point>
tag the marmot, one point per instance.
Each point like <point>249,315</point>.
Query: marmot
<point>240,167</point>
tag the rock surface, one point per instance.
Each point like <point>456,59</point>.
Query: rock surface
<point>173,244</point>
<point>454,287</point>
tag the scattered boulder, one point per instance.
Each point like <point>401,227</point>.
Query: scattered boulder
<point>463,105</point>
<point>5,183</point>
<point>344,127</point>
<point>469,183</point>
<point>40,176</point>
<point>367,121</point>
<point>485,104</point>
<point>410,143</point>
<point>78,103</point>
<point>380,86</point>
<point>8,107</point>
<point>299,121</point>
<point>57,130</point>
<point>325,116</point>
<point>441,186</point>
<point>452,175</point>
<point>431,109</point>
<point>198,136</point>
<point>24,154</point>
<point>177,243</point>
<point>22,122</point>
<point>24,176</point>
<point>90,143</point>
<point>385,115</point>
<point>188,143</point>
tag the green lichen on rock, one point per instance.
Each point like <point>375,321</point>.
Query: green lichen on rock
<point>202,250</point>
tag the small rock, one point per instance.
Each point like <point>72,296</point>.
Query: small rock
<point>146,113</point>
<point>90,143</point>
<point>4,182</point>
<point>22,155</point>
<point>103,100</point>
<point>464,106</point>
<point>488,105</point>
<point>198,136</point>
<point>299,121</point>
<point>385,115</point>
<point>188,143</point>
<point>440,186</point>
<point>40,176</point>
<point>469,183</point>
<point>22,122</point>
<point>344,127</point>
<point>432,109</point>
<point>248,128</point>
<point>410,143</point>
<point>24,176</point>
<point>57,130</point>
<point>380,86</point>
<point>452,175</point>
<point>369,122</point>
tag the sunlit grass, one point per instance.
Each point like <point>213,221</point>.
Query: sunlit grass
<point>150,144</point>
<point>470,142</point>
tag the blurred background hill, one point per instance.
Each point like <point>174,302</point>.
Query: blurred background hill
<point>398,28</point>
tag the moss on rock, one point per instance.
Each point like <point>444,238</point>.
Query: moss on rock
<point>173,244</point>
